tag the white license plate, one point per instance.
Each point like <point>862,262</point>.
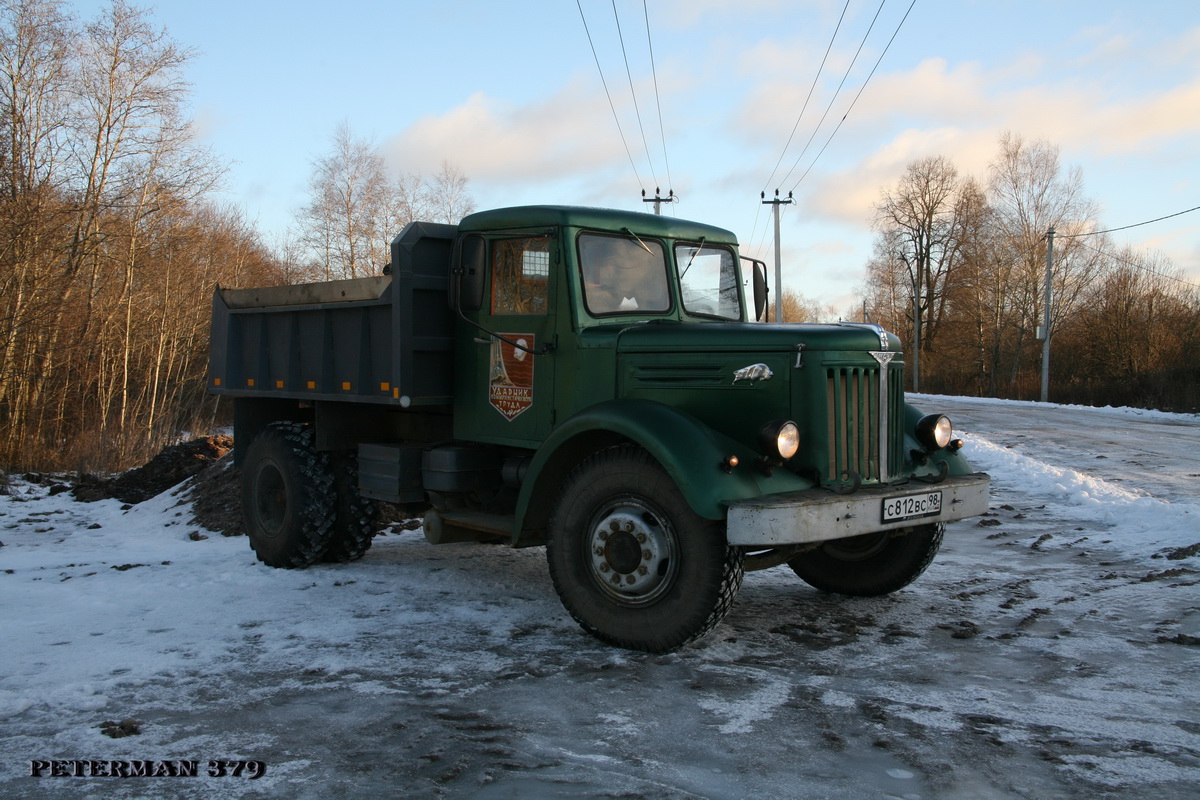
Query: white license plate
<point>912,506</point>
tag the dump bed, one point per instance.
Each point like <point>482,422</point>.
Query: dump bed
<point>385,339</point>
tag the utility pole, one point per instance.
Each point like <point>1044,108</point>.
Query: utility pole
<point>776,203</point>
<point>1045,332</point>
<point>917,336</point>
<point>916,273</point>
<point>658,200</point>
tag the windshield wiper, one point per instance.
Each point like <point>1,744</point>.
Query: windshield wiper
<point>639,241</point>
<point>695,253</point>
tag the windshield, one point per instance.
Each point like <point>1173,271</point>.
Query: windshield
<point>708,278</point>
<point>623,275</point>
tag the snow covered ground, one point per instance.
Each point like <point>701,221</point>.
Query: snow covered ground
<point>1049,652</point>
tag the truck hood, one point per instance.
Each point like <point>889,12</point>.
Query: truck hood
<point>747,337</point>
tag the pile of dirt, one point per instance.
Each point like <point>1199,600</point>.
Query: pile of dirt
<point>170,467</point>
<point>215,490</point>
<point>215,495</point>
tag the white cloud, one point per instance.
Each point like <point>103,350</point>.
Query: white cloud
<point>960,111</point>
<point>565,134</point>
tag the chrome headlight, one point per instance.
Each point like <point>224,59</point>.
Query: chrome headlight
<point>934,432</point>
<point>779,439</point>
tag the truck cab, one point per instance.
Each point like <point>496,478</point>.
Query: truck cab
<point>594,381</point>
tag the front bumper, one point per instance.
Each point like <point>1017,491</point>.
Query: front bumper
<point>817,515</point>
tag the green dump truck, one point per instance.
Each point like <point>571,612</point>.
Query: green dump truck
<point>593,381</point>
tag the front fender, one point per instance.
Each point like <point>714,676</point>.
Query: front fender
<point>689,451</point>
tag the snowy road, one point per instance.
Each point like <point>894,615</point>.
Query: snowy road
<point>1051,652</point>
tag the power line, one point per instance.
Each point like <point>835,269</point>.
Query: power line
<point>838,91</point>
<point>860,91</point>
<point>616,119</point>
<point>1134,264</point>
<point>629,74</point>
<point>811,89</point>
<point>657,100</point>
<point>1127,227</point>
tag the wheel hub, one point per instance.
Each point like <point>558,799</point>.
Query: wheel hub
<point>270,500</point>
<point>631,553</point>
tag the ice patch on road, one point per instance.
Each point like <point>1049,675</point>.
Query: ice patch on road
<point>1134,770</point>
<point>742,712</point>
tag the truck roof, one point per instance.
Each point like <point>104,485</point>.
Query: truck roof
<point>605,219</point>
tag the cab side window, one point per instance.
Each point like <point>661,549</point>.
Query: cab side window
<point>520,275</point>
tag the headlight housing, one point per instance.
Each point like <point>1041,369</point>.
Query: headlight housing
<point>779,439</point>
<point>934,432</point>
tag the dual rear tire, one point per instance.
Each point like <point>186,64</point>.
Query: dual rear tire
<point>301,506</point>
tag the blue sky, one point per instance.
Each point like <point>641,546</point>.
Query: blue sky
<point>509,92</point>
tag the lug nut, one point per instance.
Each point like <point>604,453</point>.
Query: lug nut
<point>641,537</point>
<point>647,555</point>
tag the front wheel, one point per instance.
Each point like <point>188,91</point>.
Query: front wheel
<point>870,565</point>
<point>631,561</point>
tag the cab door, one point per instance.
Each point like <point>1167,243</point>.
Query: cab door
<point>505,382</point>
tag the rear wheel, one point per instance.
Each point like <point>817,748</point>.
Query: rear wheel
<point>631,561</point>
<point>354,522</point>
<point>288,498</point>
<point>872,564</point>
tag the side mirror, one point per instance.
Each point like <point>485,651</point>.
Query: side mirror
<point>761,291</point>
<point>471,271</point>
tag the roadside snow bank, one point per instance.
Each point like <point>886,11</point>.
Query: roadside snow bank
<point>1142,525</point>
<point>1151,415</point>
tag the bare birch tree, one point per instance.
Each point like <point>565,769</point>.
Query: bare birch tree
<point>354,209</point>
<point>448,195</point>
<point>1029,195</point>
<point>347,210</point>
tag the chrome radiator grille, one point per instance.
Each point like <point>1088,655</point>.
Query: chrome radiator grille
<point>862,432</point>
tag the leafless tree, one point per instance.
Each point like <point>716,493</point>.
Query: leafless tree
<point>1029,195</point>
<point>1123,320</point>
<point>448,195</point>
<point>798,308</point>
<point>103,274</point>
<point>345,219</point>
<point>922,226</point>
<point>354,208</point>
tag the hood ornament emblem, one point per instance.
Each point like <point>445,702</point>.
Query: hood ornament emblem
<point>754,372</point>
<point>876,329</point>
